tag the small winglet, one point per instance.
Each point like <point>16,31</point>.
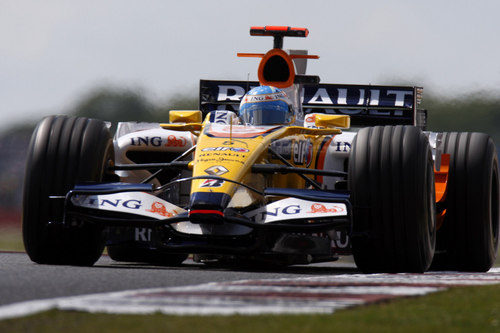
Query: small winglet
<point>278,32</point>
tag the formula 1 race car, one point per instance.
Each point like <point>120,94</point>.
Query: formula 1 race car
<point>207,183</point>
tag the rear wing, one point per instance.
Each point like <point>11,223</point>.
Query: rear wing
<point>367,105</point>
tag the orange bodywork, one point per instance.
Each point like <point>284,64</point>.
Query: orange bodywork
<point>278,32</point>
<point>291,68</point>
<point>441,181</point>
<point>250,55</point>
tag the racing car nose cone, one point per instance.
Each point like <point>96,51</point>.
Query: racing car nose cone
<point>207,207</point>
<point>206,216</point>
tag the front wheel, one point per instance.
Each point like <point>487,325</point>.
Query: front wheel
<point>63,151</point>
<point>391,179</point>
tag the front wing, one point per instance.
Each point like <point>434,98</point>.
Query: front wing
<point>135,205</point>
<point>303,224</point>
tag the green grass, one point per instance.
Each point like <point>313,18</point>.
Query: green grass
<point>470,309</point>
<point>11,239</point>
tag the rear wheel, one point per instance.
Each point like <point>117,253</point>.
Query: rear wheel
<point>63,151</point>
<point>391,180</point>
<point>468,238</point>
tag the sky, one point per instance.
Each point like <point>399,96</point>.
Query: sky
<point>53,52</point>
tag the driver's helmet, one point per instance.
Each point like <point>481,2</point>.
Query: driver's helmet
<point>266,105</point>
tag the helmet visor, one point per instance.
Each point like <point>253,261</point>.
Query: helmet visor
<point>266,113</point>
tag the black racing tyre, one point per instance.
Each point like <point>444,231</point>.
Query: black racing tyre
<point>63,151</point>
<point>391,179</point>
<point>468,238</point>
<point>133,253</point>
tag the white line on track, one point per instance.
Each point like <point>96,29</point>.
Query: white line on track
<point>271,296</point>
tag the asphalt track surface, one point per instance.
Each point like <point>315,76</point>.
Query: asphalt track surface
<point>23,280</point>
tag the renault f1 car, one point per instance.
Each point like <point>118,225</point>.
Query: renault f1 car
<point>356,174</point>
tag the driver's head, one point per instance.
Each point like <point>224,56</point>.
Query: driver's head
<point>266,105</point>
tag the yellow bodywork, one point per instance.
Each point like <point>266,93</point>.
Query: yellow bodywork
<point>332,121</point>
<point>237,147</point>
<point>229,151</point>
<point>184,116</point>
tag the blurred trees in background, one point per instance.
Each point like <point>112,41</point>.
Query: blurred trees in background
<point>115,105</point>
<point>478,112</point>
<point>472,112</point>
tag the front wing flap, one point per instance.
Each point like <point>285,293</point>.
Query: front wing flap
<point>136,205</point>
